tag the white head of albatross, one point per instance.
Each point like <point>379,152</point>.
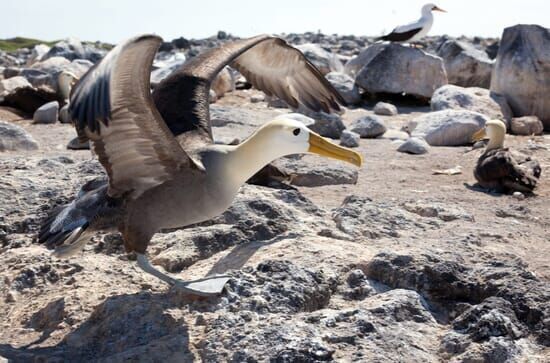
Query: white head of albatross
<point>278,138</point>
<point>496,131</point>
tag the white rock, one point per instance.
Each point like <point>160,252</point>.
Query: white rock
<point>14,138</point>
<point>345,85</point>
<point>522,71</point>
<point>349,139</point>
<point>52,65</point>
<point>369,126</point>
<point>475,99</point>
<point>527,125</point>
<point>47,113</point>
<point>466,66</point>
<point>38,52</point>
<point>395,135</point>
<point>11,84</point>
<point>518,195</point>
<point>447,128</point>
<point>414,145</point>
<point>385,109</point>
<point>257,98</point>
<point>396,69</point>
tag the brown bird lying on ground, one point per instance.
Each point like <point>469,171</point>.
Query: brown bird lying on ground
<point>164,171</point>
<point>498,169</point>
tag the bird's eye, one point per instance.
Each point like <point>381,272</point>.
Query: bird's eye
<point>296,132</point>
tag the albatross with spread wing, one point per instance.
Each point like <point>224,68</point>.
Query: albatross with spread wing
<point>164,171</point>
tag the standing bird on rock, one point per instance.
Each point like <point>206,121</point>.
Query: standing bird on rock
<point>164,171</point>
<point>414,31</point>
<point>498,169</point>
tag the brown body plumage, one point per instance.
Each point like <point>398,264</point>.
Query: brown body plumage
<point>501,170</point>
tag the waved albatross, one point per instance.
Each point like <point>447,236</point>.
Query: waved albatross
<point>416,30</point>
<point>164,171</point>
<point>497,169</point>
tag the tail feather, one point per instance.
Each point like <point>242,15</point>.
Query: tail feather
<point>64,229</point>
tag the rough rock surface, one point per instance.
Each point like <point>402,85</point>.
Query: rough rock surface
<point>522,71</point>
<point>304,173</point>
<point>369,126</point>
<point>414,145</point>
<point>396,69</point>
<point>385,109</point>
<point>47,113</point>
<point>345,85</point>
<point>466,66</point>
<point>349,138</point>
<point>15,138</point>
<point>447,128</point>
<point>527,125</point>
<point>474,99</point>
<point>401,266</point>
<point>11,84</point>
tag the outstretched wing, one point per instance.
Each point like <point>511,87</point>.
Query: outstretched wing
<point>269,63</point>
<point>112,106</point>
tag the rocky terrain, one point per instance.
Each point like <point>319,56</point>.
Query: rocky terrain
<point>404,260</point>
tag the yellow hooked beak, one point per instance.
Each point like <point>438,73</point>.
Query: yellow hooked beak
<point>435,8</point>
<point>479,135</point>
<point>321,146</point>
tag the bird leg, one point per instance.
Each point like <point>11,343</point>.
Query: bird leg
<point>208,286</point>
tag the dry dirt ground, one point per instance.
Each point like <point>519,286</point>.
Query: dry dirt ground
<point>80,309</point>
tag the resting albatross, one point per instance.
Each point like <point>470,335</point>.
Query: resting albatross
<point>416,30</point>
<point>163,169</point>
<point>497,169</point>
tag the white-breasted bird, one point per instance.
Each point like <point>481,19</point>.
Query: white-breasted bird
<point>416,30</point>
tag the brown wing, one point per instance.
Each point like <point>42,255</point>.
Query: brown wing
<point>111,105</point>
<point>269,63</point>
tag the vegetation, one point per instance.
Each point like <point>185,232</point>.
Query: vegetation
<point>12,44</point>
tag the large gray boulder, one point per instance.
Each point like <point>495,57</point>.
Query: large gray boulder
<point>466,66</point>
<point>15,138</point>
<point>522,71</point>
<point>475,99</point>
<point>396,69</point>
<point>448,127</point>
<point>345,85</point>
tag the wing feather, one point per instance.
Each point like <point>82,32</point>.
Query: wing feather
<point>112,106</point>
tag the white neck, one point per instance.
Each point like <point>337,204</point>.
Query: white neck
<point>496,139</point>
<point>246,159</point>
<point>427,15</point>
